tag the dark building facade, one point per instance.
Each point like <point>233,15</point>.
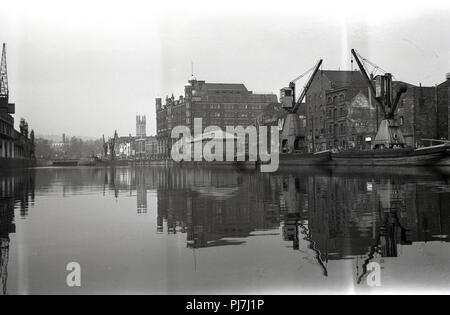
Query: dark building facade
<point>418,115</point>
<point>443,96</point>
<point>218,104</point>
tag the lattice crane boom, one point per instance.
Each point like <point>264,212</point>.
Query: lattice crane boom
<point>4,91</point>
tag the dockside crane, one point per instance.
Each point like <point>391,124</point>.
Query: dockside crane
<point>389,135</point>
<point>5,106</point>
<point>292,135</point>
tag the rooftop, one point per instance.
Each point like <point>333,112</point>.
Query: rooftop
<point>225,87</point>
<point>344,78</point>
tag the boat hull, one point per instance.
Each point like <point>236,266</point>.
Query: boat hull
<point>446,160</point>
<point>400,157</point>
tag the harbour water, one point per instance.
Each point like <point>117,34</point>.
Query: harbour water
<point>214,231</point>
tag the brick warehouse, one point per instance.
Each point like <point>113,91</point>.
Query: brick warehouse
<point>342,114</point>
<point>218,104</point>
<point>349,120</point>
<point>330,101</point>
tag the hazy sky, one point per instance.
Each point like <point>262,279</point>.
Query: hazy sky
<point>87,67</point>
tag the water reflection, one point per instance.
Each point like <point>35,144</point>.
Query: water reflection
<point>324,214</point>
<point>15,191</point>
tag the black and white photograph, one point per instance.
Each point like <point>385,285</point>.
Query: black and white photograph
<point>225,152</point>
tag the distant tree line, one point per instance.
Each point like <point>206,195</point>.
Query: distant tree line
<point>74,148</point>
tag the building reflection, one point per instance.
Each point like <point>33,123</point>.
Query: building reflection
<point>16,191</point>
<point>364,217</point>
<point>141,192</point>
<point>337,216</point>
<point>334,215</point>
<point>215,208</point>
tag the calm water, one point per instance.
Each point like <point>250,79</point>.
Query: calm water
<point>157,230</point>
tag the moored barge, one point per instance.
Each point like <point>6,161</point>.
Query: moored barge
<point>391,157</point>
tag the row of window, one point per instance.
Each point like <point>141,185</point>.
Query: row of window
<point>334,113</point>
<point>233,106</point>
<point>336,129</point>
<point>330,100</point>
<point>221,114</point>
<point>335,99</point>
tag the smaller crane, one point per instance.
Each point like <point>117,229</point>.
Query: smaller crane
<point>389,135</point>
<point>292,133</point>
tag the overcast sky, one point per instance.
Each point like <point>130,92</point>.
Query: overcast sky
<point>87,67</point>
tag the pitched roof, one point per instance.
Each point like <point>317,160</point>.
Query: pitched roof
<point>225,87</point>
<point>444,84</point>
<point>340,78</point>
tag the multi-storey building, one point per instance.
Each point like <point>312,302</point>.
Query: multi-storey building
<point>16,147</point>
<point>349,121</point>
<point>218,104</point>
<point>346,85</point>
